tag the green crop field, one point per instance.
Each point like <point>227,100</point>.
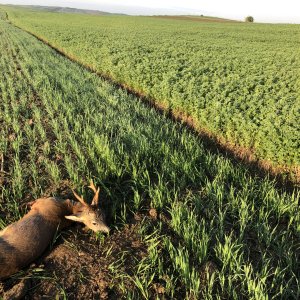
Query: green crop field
<point>187,222</point>
<point>238,82</point>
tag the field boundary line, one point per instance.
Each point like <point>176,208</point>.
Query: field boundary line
<point>286,178</point>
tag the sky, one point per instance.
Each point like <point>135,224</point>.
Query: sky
<point>286,11</point>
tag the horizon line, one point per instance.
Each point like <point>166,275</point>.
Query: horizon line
<point>153,14</point>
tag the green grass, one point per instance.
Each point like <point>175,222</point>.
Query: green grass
<point>59,122</point>
<point>238,81</point>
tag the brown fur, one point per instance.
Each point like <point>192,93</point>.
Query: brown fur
<point>25,240</point>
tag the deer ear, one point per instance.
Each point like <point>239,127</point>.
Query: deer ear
<point>75,218</point>
<point>30,204</point>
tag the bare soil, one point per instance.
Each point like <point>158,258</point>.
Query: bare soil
<point>78,266</point>
<point>197,19</point>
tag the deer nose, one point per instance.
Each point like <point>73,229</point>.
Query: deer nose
<point>104,228</point>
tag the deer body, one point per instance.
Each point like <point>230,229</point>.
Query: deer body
<point>25,240</point>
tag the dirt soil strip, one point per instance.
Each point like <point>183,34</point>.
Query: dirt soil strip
<point>202,19</point>
<point>286,178</point>
<point>79,266</point>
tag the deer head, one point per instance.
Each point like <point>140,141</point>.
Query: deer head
<point>90,215</point>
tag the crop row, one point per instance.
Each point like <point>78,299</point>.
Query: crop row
<point>221,232</point>
<point>237,81</point>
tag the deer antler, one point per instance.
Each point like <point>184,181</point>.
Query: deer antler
<point>96,191</point>
<point>80,199</point>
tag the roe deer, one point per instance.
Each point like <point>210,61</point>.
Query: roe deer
<point>25,240</point>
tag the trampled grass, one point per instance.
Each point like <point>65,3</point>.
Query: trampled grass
<point>220,233</point>
<point>237,81</point>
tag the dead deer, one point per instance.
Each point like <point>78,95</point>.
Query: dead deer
<point>25,240</point>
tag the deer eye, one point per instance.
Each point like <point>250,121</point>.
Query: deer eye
<point>94,223</point>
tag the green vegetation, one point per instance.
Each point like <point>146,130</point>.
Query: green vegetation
<point>236,81</point>
<point>59,9</point>
<point>220,233</point>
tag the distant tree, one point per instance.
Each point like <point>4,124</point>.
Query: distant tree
<point>249,19</point>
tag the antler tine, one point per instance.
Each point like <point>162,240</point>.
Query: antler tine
<point>92,186</point>
<point>80,199</point>
<point>96,191</point>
